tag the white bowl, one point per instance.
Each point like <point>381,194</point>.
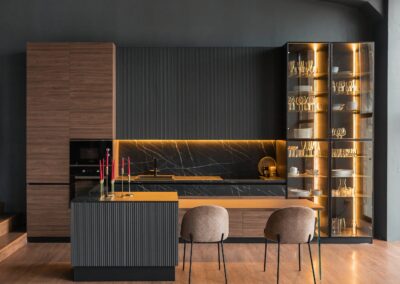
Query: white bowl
<point>299,192</point>
<point>335,69</point>
<point>342,173</point>
<point>303,133</point>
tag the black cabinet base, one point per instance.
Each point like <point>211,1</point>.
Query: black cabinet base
<point>124,273</point>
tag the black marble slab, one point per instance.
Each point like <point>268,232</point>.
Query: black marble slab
<point>199,189</point>
<point>230,159</point>
<point>216,189</point>
<point>210,189</point>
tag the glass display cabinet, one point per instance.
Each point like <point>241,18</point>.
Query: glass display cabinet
<point>307,128</point>
<point>352,101</point>
<point>330,93</point>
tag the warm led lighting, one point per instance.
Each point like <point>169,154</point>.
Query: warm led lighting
<point>356,70</point>
<point>189,141</point>
<point>317,130</point>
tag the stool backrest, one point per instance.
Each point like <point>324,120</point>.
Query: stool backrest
<point>294,225</point>
<point>205,224</point>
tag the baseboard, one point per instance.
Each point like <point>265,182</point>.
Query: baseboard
<point>124,273</point>
<point>49,239</point>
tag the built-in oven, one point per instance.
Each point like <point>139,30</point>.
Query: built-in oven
<point>84,165</point>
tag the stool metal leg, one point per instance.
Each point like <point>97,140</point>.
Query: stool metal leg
<point>265,255</point>
<point>191,252</point>
<point>299,258</point>
<point>279,254</point>
<point>223,257</point>
<point>219,259</point>
<point>184,254</point>
<point>312,265</point>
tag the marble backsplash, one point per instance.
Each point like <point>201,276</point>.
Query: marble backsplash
<point>230,159</point>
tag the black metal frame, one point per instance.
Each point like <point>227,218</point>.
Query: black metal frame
<point>279,254</point>
<point>331,238</point>
<point>191,253</point>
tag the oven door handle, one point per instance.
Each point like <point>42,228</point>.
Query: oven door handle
<point>86,177</point>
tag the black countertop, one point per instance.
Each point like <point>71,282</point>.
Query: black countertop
<point>276,180</point>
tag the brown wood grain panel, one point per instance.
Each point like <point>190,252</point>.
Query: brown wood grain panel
<point>235,223</point>
<point>254,221</point>
<point>48,212</point>
<point>92,90</point>
<point>47,112</point>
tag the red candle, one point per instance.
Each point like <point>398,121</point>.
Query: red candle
<point>112,170</point>
<point>100,171</point>
<point>107,158</point>
<point>129,166</point>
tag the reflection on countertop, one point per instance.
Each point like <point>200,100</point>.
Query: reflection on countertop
<point>199,180</point>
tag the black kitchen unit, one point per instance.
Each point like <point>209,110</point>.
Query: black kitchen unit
<point>84,165</point>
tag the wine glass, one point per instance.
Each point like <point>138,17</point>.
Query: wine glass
<point>341,132</point>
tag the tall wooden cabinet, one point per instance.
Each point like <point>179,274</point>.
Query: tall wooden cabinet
<point>70,95</point>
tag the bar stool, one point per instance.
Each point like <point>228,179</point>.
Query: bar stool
<point>292,225</point>
<point>205,224</point>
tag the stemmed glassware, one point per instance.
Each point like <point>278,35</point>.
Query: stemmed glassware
<point>339,132</point>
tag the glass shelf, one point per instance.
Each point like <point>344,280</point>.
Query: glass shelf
<point>306,176</point>
<point>316,76</point>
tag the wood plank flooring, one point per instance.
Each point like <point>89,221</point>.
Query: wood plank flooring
<point>363,263</point>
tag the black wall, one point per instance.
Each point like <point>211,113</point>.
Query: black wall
<point>146,23</point>
<point>200,93</point>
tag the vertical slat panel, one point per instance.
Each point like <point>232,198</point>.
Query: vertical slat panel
<point>124,234</point>
<point>199,93</point>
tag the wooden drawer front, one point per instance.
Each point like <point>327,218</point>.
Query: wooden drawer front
<point>47,156</point>
<point>48,214</point>
<point>92,86</point>
<point>235,223</point>
<point>254,221</point>
<point>47,112</point>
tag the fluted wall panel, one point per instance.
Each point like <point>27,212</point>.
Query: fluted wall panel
<point>124,234</point>
<point>200,93</point>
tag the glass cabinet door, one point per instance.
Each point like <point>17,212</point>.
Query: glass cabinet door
<point>307,90</point>
<point>352,188</point>
<point>352,90</point>
<point>308,174</point>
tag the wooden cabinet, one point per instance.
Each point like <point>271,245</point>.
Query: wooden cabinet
<point>48,211</point>
<point>48,103</point>
<point>70,94</point>
<point>92,90</point>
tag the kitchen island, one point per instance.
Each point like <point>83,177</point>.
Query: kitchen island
<point>126,238</point>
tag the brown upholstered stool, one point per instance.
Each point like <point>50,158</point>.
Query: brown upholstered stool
<point>205,224</point>
<point>292,225</point>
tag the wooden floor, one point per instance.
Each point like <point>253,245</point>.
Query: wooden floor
<point>365,263</point>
